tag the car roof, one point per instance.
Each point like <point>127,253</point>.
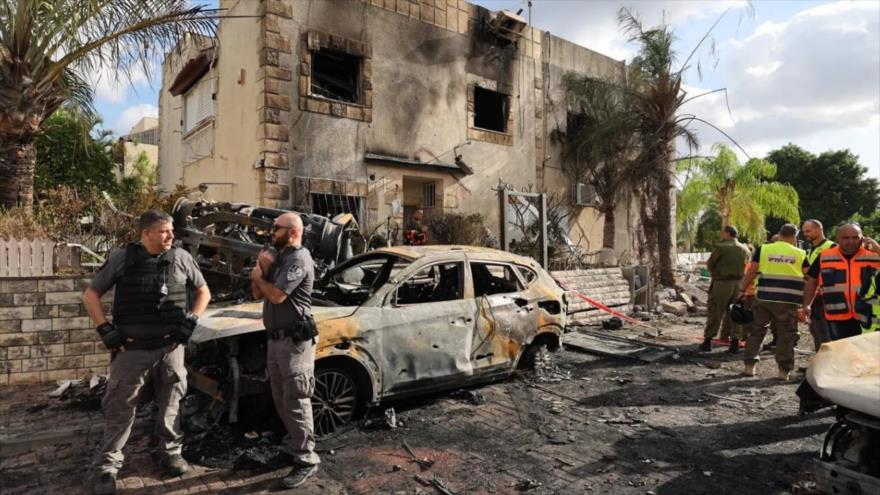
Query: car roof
<point>434,250</point>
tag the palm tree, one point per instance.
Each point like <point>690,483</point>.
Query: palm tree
<point>47,49</point>
<point>601,132</point>
<point>742,195</point>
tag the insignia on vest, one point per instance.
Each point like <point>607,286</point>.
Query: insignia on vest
<point>781,258</point>
<point>295,273</point>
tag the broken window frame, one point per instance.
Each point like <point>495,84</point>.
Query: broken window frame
<point>324,54</point>
<point>395,295</point>
<point>527,275</point>
<point>504,110</point>
<point>329,289</point>
<point>515,278</point>
<point>337,204</point>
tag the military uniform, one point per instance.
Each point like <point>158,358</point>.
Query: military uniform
<point>291,357</point>
<point>726,265</point>
<point>780,293</point>
<point>152,295</point>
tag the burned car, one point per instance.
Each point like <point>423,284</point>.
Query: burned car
<point>393,322</point>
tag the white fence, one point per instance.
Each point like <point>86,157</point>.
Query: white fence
<point>26,258</point>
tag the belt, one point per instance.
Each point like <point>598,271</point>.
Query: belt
<point>147,344</point>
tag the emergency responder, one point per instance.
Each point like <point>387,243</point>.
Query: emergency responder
<point>815,235</point>
<point>869,309</point>
<point>780,290</point>
<point>415,233</point>
<point>841,271</point>
<point>159,296</point>
<point>285,282</point>
<point>726,265</point>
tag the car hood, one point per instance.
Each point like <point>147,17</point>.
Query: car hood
<point>219,323</point>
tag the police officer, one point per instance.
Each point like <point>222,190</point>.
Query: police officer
<point>159,296</point>
<point>285,282</point>
<point>780,291</point>
<point>814,233</point>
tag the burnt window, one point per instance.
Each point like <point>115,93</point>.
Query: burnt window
<point>336,76</point>
<point>490,109</point>
<point>490,278</point>
<point>331,205</point>
<point>435,283</point>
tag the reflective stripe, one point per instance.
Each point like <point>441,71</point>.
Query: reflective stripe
<point>867,257</point>
<point>782,277</point>
<point>874,301</point>
<point>831,258</point>
<point>780,290</point>
<point>835,306</point>
<point>831,289</point>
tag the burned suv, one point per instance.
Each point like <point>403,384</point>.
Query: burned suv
<point>392,323</point>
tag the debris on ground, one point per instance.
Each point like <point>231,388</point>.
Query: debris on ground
<point>471,396</point>
<point>423,462</point>
<point>613,323</point>
<point>527,485</point>
<point>546,371</point>
<point>83,394</point>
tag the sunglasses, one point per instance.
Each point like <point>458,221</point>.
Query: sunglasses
<point>279,227</point>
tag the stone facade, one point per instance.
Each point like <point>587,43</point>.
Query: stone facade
<point>45,332</point>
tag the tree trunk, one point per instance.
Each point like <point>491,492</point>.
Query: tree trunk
<point>17,164</point>
<point>665,223</point>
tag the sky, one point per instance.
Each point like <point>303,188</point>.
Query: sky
<point>802,72</point>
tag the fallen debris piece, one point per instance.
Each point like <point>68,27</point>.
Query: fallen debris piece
<point>390,418</point>
<point>423,463</point>
<point>527,485</point>
<point>596,342</point>
<point>475,398</point>
<point>251,435</point>
<point>435,482</point>
<point>65,385</point>
<point>722,397</point>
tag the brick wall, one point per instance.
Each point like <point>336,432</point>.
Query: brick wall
<point>45,333</point>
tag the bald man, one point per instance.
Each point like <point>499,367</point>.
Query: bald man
<point>839,271</point>
<point>285,283</point>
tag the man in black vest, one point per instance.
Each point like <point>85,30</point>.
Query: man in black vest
<point>159,295</point>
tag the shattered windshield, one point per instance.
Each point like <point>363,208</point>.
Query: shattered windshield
<point>352,283</point>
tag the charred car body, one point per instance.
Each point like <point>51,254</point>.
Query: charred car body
<point>394,322</point>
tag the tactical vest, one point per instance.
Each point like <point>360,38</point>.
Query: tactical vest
<point>816,251</point>
<point>782,276</point>
<point>140,298</point>
<point>868,305</point>
<point>841,280</point>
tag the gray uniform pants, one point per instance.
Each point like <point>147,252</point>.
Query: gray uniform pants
<point>292,377</point>
<point>784,317</point>
<point>128,373</point>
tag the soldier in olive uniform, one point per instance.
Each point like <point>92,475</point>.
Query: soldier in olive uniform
<point>285,282</point>
<point>159,295</point>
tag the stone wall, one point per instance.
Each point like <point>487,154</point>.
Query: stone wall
<point>45,332</point>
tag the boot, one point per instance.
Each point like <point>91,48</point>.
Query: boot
<point>175,465</point>
<point>105,484</point>
<point>734,346</point>
<point>298,475</point>
<point>706,346</point>
<point>784,375</point>
<point>750,369</point>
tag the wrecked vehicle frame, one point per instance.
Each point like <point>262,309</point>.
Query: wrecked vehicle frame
<point>393,323</point>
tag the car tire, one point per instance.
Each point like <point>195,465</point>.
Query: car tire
<point>336,400</point>
<point>530,355</point>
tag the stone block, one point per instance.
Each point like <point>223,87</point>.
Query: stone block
<point>57,375</point>
<point>18,286</point>
<point>24,378</point>
<point>17,313</point>
<point>281,102</point>
<point>10,326</point>
<point>70,297</point>
<point>17,339</point>
<point>463,22</point>
<point>452,20</point>
<point>70,310</point>
<point>83,336</point>
<point>277,41</point>
<point>18,352</point>
<point>89,372</point>
<point>53,337</point>
<point>48,350</point>
<point>271,115</point>
<point>270,146</point>
<point>277,86</point>
<point>271,71</point>
<point>65,362</point>
<point>276,160</point>
<point>677,308</point>
<point>74,323</point>
<point>276,191</point>
<point>275,131</point>
<point>40,325</point>
<point>319,106</point>
<point>47,311</point>
<point>80,348</point>
<point>38,364</point>
<point>10,366</point>
<point>81,284</point>
<point>280,8</point>
<point>102,359</point>
<point>7,299</point>
<point>56,285</point>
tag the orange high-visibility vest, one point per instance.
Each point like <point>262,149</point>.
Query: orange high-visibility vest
<point>841,280</point>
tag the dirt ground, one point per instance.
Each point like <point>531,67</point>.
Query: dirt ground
<point>689,424</point>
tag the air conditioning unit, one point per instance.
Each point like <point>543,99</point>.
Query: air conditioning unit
<point>583,194</point>
<point>507,25</point>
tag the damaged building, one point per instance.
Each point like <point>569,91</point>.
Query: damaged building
<point>355,105</point>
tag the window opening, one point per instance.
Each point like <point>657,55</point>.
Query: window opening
<point>435,283</point>
<point>330,205</point>
<point>494,279</point>
<point>336,76</point>
<point>429,190</point>
<point>353,283</point>
<point>527,274</point>
<point>198,104</point>
<point>490,109</point>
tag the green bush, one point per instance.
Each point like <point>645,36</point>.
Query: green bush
<point>456,228</point>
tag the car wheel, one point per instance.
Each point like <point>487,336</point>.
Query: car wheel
<point>335,400</point>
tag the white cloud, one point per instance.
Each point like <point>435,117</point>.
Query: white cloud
<point>110,87</point>
<point>131,115</point>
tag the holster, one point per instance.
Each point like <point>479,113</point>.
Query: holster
<point>300,331</point>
